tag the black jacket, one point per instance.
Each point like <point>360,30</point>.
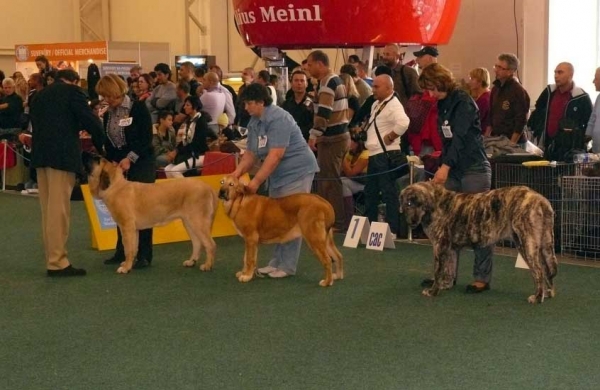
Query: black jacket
<point>138,135</point>
<point>199,144</point>
<point>58,112</point>
<point>464,150</point>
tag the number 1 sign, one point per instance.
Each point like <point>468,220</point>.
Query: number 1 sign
<point>358,230</point>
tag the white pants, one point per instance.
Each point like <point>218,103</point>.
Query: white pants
<point>176,171</point>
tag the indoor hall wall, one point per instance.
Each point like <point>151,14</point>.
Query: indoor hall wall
<point>486,28</point>
<point>33,21</point>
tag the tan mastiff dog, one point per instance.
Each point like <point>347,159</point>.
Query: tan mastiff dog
<point>136,206</point>
<point>259,219</point>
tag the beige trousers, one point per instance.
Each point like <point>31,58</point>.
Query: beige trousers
<point>55,187</point>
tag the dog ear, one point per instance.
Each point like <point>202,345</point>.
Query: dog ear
<point>103,181</point>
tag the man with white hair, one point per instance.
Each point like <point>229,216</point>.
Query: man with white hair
<point>390,121</point>
<point>593,127</point>
<point>561,115</point>
<point>11,108</point>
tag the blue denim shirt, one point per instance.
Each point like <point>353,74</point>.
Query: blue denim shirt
<point>277,128</point>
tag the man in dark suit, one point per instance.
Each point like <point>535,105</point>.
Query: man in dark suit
<point>58,113</point>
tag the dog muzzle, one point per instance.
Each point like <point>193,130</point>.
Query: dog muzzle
<point>223,195</point>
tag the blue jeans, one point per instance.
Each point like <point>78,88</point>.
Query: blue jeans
<point>472,183</point>
<point>285,256</point>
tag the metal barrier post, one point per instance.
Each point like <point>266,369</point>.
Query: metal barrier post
<point>411,172</point>
<point>5,144</point>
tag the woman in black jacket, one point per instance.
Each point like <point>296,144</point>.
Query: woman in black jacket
<point>192,139</point>
<point>464,167</point>
<point>128,129</point>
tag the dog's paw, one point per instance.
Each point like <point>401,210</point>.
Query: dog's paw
<point>337,277</point>
<point>550,293</point>
<point>189,263</point>
<point>243,278</point>
<point>428,292</point>
<point>533,299</point>
<point>205,267</point>
<point>122,270</point>
<point>323,283</point>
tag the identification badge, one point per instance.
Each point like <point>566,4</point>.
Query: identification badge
<point>447,131</point>
<point>126,122</point>
<point>262,141</point>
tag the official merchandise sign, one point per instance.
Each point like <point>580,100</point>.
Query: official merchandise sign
<point>326,23</point>
<point>380,237</point>
<point>118,68</point>
<point>104,236</point>
<point>75,51</point>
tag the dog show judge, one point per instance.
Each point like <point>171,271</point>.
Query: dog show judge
<point>464,165</point>
<point>289,166</point>
<point>128,128</point>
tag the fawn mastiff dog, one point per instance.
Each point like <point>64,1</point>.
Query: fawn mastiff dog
<point>136,206</point>
<point>259,219</point>
<point>455,220</point>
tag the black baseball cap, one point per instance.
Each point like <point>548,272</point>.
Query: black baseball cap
<point>431,50</point>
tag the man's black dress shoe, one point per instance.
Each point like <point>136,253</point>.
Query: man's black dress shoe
<point>69,271</point>
<point>114,260</point>
<point>141,263</point>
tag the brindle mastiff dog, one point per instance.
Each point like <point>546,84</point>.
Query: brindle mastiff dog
<point>136,206</point>
<point>259,219</point>
<point>455,220</point>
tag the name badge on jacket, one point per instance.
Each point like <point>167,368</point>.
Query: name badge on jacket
<point>126,122</point>
<point>447,131</point>
<point>262,141</point>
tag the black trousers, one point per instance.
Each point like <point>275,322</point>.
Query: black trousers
<point>143,171</point>
<point>384,184</point>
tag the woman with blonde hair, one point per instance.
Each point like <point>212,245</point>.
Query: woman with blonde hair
<point>479,85</point>
<point>353,96</point>
<point>128,142</point>
<point>464,167</point>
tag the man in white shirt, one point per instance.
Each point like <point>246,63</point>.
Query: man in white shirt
<point>389,119</point>
<point>214,101</point>
<point>593,127</point>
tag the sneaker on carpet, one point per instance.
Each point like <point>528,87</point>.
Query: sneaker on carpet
<point>277,274</point>
<point>266,270</point>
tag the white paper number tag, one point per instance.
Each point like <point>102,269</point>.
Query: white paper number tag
<point>262,141</point>
<point>126,122</point>
<point>447,131</point>
<point>380,237</point>
<point>521,262</point>
<point>358,230</point>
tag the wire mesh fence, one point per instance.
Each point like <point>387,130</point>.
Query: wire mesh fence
<point>546,180</point>
<point>580,217</point>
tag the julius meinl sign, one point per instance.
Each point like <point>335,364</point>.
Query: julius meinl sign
<point>273,15</point>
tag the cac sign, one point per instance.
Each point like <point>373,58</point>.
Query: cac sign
<point>350,23</point>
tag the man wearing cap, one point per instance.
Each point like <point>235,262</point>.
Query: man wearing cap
<point>426,56</point>
<point>405,77</point>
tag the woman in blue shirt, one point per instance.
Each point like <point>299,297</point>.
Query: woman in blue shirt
<point>288,164</point>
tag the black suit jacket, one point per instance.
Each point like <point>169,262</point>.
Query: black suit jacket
<point>58,112</point>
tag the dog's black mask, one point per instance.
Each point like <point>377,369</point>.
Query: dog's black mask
<point>89,160</point>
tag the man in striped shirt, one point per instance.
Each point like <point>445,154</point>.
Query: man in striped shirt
<point>329,136</point>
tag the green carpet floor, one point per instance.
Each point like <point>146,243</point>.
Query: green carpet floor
<point>170,327</point>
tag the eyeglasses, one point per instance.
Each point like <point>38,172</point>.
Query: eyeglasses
<point>498,67</point>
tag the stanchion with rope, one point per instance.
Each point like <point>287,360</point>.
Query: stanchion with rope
<point>5,147</point>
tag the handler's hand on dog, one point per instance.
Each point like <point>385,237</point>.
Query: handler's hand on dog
<point>441,175</point>
<point>125,164</point>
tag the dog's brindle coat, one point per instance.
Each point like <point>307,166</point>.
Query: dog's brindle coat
<point>135,206</point>
<point>259,219</point>
<point>455,220</point>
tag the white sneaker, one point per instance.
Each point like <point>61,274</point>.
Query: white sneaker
<point>277,274</point>
<point>266,270</point>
